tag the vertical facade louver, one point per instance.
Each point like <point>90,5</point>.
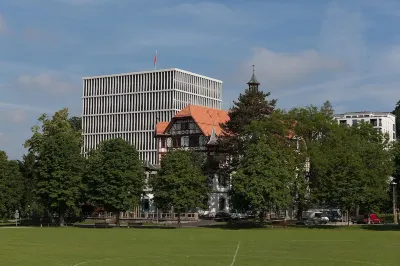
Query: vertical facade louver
<point>129,105</point>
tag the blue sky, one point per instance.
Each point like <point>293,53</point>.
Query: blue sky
<point>305,52</point>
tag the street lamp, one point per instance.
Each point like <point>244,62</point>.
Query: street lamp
<point>393,183</point>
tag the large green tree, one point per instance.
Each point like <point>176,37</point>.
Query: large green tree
<point>56,146</point>
<point>28,168</point>
<point>252,105</point>
<point>312,124</point>
<point>180,184</point>
<point>115,177</point>
<point>351,167</point>
<point>267,170</point>
<point>60,167</point>
<point>11,186</point>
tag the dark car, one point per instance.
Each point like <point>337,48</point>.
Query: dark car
<point>222,216</point>
<point>334,216</point>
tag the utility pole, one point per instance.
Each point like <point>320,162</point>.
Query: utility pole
<point>394,203</point>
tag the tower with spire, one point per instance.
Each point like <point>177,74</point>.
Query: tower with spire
<point>253,83</point>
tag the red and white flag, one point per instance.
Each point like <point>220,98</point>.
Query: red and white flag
<point>155,60</point>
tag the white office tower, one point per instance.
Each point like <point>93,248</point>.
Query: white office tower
<point>382,121</point>
<point>129,105</point>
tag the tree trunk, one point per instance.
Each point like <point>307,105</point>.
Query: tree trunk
<point>61,217</point>
<point>300,209</point>
<point>179,219</point>
<point>348,217</point>
<point>117,219</point>
<point>261,216</point>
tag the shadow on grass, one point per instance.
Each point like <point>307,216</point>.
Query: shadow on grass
<point>381,227</point>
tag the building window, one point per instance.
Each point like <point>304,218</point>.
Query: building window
<point>354,122</point>
<point>222,204</point>
<point>176,142</point>
<point>380,122</point>
<point>222,180</point>
<point>374,122</point>
<point>194,141</point>
<point>343,122</point>
<point>163,144</point>
<point>185,126</point>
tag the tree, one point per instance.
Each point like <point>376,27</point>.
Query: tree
<point>28,168</point>
<point>60,167</point>
<point>396,112</point>
<point>56,147</point>
<point>252,105</point>
<point>11,186</point>
<point>76,123</point>
<point>50,126</point>
<point>115,176</point>
<point>312,125</point>
<point>351,167</point>
<point>180,184</point>
<point>267,170</point>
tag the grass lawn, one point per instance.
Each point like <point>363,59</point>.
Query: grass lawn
<point>198,246</point>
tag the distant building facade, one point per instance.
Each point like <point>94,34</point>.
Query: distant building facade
<point>197,128</point>
<point>130,105</point>
<point>382,121</point>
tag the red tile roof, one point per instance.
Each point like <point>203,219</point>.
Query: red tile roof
<point>204,117</point>
<point>160,127</point>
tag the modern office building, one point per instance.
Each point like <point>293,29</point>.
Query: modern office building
<point>130,105</point>
<point>383,121</point>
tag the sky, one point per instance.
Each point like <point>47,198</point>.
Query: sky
<point>304,52</point>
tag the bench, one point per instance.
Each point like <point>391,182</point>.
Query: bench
<point>135,224</point>
<point>101,224</point>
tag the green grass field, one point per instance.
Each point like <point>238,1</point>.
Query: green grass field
<point>196,246</point>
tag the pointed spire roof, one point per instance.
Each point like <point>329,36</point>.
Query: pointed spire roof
<point>253,80</point>
<point>213,137</point>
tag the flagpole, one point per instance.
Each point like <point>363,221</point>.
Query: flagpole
<point>155,61</point>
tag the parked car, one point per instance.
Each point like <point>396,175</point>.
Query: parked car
<point>334,216</point>
<point>320,218</point>
<point>235,215</point>
<point>363,219</point>
<point>222,216</point>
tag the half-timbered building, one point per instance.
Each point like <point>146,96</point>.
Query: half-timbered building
<point>196,128</point>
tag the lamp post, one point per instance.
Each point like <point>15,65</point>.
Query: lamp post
<point>393,183</point>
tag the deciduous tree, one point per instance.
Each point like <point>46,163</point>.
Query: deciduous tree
<point>60,167</point>
<point>352,166</point>
<point>266,173</point>
<point>180,184</point>
<point>11,186</point>
<point>115,176</point>
<point>56,146</point>
<point>312,125</point>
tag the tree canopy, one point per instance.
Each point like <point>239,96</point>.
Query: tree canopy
<point>11,186</point>
<point>266,172</point>
<point>114,176</point>
<point>351,167</point>
<point>180,183</point>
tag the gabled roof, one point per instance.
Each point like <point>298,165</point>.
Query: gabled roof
<point>206,118</point>
<point>160,127</point>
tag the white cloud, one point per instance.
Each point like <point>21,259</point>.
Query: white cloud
<point>280,69</point>
<point>13,106</point>
<point>13,116</point>
<point>46,81</point>
<point>3,24</point>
